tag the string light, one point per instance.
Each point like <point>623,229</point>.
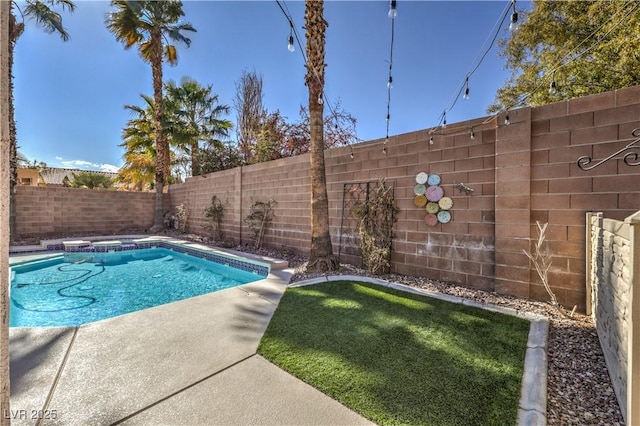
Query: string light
<point>290,45</point>
<point>472,134</point>
<point>431,140</point>
<point>506,119</point>
<point>444,119</point>
<point>291,48</point>
<point>493,35</point>
<point>569,57</point>
<point>552,87</point>
<point>514,18</point>
<point>393,12</point>
<point>392,15</point>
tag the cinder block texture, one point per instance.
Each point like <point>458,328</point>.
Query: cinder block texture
<point>520,173</point>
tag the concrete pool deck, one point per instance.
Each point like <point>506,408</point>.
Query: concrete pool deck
<point>195,362</point>
<point>187,362</point>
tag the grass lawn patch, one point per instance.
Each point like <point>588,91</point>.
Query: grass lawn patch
<point>400,358</point>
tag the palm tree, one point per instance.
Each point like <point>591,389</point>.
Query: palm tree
<point>139,166</point>
<point>51,21</point>
<point>321,257</point>
<point>91,180</point>
<point>151,25</point>
<point>193,112</point>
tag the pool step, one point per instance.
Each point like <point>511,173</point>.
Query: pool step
<point>75,244</point>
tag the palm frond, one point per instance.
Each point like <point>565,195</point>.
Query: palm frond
<point>45,17</point>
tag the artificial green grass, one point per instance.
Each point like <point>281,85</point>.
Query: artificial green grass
<point>400,358</point>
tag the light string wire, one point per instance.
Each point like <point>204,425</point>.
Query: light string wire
<point>301,47</point>
<point>569,58</point>
<point>493,35</point>
<point>390,79</point>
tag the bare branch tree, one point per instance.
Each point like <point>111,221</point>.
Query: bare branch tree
<point>250,112</point>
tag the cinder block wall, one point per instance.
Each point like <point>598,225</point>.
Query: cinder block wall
<point>54,211</point>
<point>521,173</point>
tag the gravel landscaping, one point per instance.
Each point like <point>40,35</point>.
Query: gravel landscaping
<point>579,390</point>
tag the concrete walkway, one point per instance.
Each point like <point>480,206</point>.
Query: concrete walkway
<point>185,363</point>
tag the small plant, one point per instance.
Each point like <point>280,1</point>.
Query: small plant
<point>377,217</point>
<point>541,258</point>
<point>177,220</point>
<point>182,214</point>
<point>259,218</point>
<point>213,215</point>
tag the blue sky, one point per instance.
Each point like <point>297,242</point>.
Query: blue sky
<point>69,96</point>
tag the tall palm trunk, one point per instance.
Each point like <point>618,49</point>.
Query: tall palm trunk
<point>5,77</point>
<point>321,257</point>
<point>195,158</point>
<point>14,32</point>
<point>162,147</point>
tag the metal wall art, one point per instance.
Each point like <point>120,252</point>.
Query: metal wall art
<point>630,158</point>
<point>465,188</point>
<point>430,195</point>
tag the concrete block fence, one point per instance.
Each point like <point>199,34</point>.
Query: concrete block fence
<point>521,172</point>
<point>58,211</point>
<point>613,289</point>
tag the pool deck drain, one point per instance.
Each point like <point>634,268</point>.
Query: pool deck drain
<point>195,362</point>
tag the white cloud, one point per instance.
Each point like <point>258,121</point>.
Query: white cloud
<point>58,158</point>
<point>109,168</point>
<point>87,165</point>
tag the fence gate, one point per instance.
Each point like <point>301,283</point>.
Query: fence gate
<point>354,194</point>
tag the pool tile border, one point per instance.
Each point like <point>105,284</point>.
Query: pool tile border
<point>126,243</point>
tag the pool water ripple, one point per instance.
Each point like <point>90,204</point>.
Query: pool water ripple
<point>85,287</point>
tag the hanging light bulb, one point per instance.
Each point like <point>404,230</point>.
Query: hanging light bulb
<point>390,83</point>
<point>431,140</point>
<point>384,149</point>
<point>351,155</point>
<point>392,9</point>
<point>320,100</point>
<point>290,45</point>
<point>388,118</point>
<point>466,89</point>
<point>514,18</point>
<point>506,119</point>
<point>472,134</point>
<point>552,87</point>
<point>444,119</point>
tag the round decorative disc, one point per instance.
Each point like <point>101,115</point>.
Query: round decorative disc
<point>419,189</point>
<point>444,216</point>
<point>420,200</point>
<point>434,193</point>
<point>422,178</point>
<point>445,203</point>
<point>431,219</point>
<point>432,207</point>
<point>434,179</point>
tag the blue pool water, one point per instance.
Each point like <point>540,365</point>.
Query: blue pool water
<point>78,288</point>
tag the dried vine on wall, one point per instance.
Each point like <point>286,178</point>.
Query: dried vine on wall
<point>213,215</point>
<point>377,217</point>
<point>259,219</point>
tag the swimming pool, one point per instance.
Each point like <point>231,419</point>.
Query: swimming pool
<point>77,288</point>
